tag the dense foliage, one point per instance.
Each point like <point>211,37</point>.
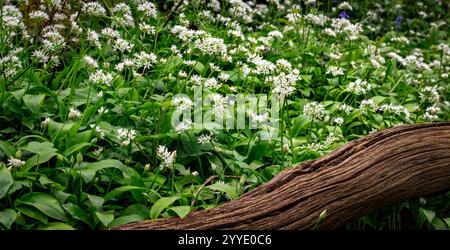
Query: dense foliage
<point>88,92</point>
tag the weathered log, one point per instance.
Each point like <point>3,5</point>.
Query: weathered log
<point>358,178</point>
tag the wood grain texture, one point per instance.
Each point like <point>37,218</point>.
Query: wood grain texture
<point>358,178</point>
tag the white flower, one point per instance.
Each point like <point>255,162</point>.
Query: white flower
<point>13,162</point>
<point>145,60</point>
<point>102,110</point>
<point>314,110</point>
<point>183,126</point>
<point>182,103</point>
<point>38,14</point>
<point>358,87</point>
<point>284,84</point>
<point>345,6</point>
<point>167,158</point>
<point>74,113</point>
<point>122,45</point>
<point>339,121</point>
<point>346,108</point>
<point>148,8</point>
<point>195,173</point>
<point>93,8</point>
<point>335,71</point>
<point>45,122</point>
<point>211,46</point>
<point>91,62</point>
<point>202,139</point>
<point>126,135</point>
<point>99,77</point>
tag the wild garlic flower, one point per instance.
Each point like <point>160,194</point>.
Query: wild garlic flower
<point>15,163</point>
<point>314,110</point>
<point>183,126</point>
<point>204,138</point>
<point>358,87</point>
<point>148,8</point>
<point>91,62</point>
<point>100,77</point>
<point>93,8</point>
<point>335,71</point>
<point>74,113</point>
<point>126,135</point>
<point>167,158</point>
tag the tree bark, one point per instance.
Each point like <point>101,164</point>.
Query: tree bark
<point>357,178</point>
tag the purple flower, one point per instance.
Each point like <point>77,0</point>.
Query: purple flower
<point>344,14</point>
<point>397,22</point>
<point>314,4</point>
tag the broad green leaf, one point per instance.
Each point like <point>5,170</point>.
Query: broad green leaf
<point>34,102</point>
<point>44,203</point>
<point>6,181</point>
<point>40,148</point>
<point>7,148</point>
<point>181,211</point>
<point>75,148</point>
<point>122,220</point>
<point>37,160</point>
<point>430,215</point>
<point>7,217</point>
<point>438,224</point>
<point>88,170</point>
<point>105,217</point>
<point>120,190</point>
<point>77,213</point>
<point>56,226</point>
<point>33,213</point>
<point>160,205</point>
<point>96,201</point>
<point>226,188</point>
<point>57,130</point>
<point>139,209</point>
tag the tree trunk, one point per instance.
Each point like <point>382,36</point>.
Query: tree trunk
<point>358,178</point>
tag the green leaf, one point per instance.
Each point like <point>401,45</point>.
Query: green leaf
<point>7,148</point>
<point>430,215</point>
<point>105,217</point>
<point>122,220</point>
<point>160,205</point>
<point>226,188</point>
<point>96,201</point>
<point>40,148</point>
<point>181,211</point>
<point>44,203</point>
<point>34,102</point>
<point>7,217</point>
<point>139,209</point>
<point>77,213</point>
<point>33,213</point>
<point>120,190</point>
<point>75,149</point>
<point>438,224</point>
<point>88,170</point>
<point>6,181</point>
<point>56,226</point>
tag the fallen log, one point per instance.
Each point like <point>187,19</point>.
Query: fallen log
<point>358,178</point>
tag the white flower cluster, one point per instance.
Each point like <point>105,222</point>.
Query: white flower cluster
<point>15,163</point>
<point>126,136</point>
<point>358,87</point>
<point>211,46</point>
<point>314,110</point>
<point>93,8</point>
<point>284,84</point>
<point>100,77</point>
<point>335,71</point>
<point>167,158</point>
